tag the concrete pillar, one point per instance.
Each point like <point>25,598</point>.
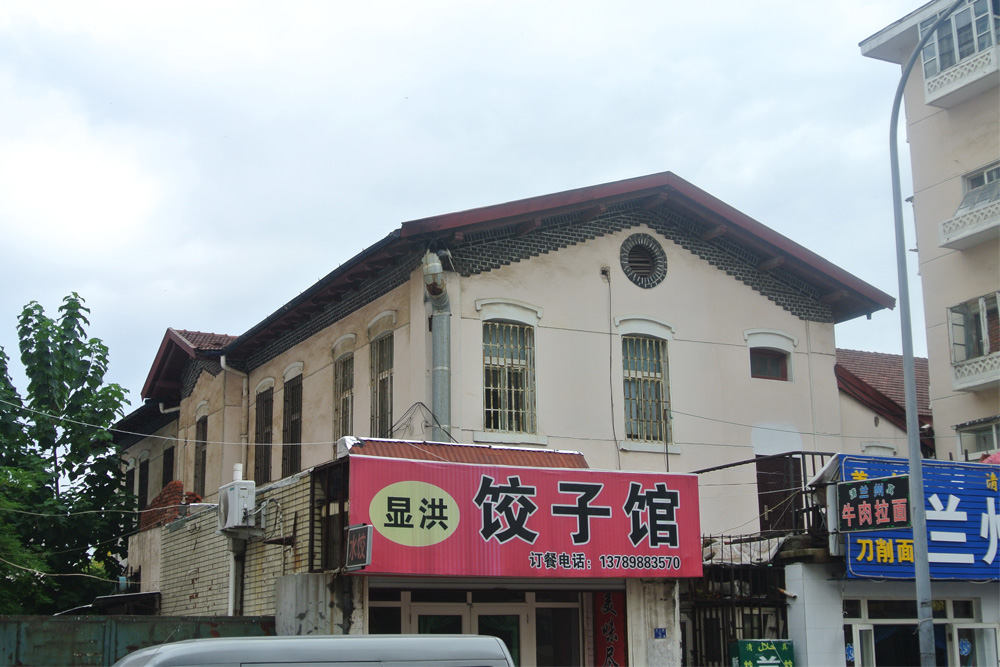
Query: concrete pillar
<point>302,604</point>
<point>815,615</point>
<point>654,630</point>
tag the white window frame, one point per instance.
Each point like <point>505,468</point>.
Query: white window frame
<point>772,340</point>
<point>981,26</point>
<point>991,429</point>
<point>641,326</point>
<point>500,311</point>
<point>381,383</point>
<point>343,348</point>
<point>960,320</point>
<point>977,195</point>
<point>343,396</point>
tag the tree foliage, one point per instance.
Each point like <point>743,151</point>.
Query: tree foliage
<point>61,501</point>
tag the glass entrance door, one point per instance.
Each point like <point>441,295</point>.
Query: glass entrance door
<point>509,625</point>
<point>440,619</point>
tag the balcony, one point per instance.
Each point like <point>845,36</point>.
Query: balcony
<point>970,228</point>
<point>976,374</point>
<point>968,78</point>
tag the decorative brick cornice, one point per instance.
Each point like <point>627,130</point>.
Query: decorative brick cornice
<point>489,250</point>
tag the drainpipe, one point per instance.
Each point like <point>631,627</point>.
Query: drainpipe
<point>238,547</point>
<point>437,294</point>
<point>244,406</point>
<point>237,559</point>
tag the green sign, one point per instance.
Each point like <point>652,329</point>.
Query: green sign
<point>761,653</point>
<point>873,504</point>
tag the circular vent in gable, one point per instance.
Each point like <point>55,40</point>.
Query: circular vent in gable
<point>643,260</point>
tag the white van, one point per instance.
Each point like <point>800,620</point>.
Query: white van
<point>322,650</point>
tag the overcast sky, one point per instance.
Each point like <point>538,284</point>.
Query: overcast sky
<point>197,165</point>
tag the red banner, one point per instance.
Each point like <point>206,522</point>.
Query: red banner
<point>610,637</point>
<point>452,519</point>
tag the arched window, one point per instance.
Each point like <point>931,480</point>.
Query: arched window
<point>381,357</point>
<point>263,431</point>
<point>291,432</point>
<point>508,365</point>
<point>770,353</point>
<point>343,386</point>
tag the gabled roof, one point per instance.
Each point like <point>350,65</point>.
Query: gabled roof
<point>875,379</point>
<point>524,457</point>
<point>176,348</point>
<point>884,373</point>
<point>846,295</point>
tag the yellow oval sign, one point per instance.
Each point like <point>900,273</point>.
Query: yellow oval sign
<point>414,514</point>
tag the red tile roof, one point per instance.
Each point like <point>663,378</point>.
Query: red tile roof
<point>884,372</point>
<point>205,342</point>
<point>524,457</point>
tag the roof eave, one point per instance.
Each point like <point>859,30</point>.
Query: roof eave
<point>171,344</point>
<point>310,294</point>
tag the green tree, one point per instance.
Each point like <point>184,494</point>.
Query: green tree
<point>65,504</point>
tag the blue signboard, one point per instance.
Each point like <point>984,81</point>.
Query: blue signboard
<point>963,522</point>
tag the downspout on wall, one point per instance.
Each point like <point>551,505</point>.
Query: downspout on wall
<point>437,295</point>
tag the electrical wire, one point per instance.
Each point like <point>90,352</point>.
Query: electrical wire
<point>39,573</point>
<point>673,411</point>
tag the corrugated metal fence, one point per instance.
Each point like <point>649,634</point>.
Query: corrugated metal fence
<point>102,640</point>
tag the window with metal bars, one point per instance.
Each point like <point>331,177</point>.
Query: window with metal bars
<point>343,396</point>
<point>291,438</point>
<point>508,377</point>
<point>263,436</point>
<point>381,379</point>
<point>200,455</point>
<point>167,475</point>
<point>647,394</point>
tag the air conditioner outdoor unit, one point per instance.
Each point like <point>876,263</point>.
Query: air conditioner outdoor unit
<point>236,505</point>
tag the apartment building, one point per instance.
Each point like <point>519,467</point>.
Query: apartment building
<point>952,104</point>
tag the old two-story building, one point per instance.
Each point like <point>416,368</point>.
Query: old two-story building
<point>553,371</point>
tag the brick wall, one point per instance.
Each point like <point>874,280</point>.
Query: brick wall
<point>194,570</point>
<point>165,507</point>
<point>284,548</point>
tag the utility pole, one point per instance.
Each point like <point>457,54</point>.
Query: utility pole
<point>921,565</point>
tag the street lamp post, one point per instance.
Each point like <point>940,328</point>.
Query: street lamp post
<point>925,618</point>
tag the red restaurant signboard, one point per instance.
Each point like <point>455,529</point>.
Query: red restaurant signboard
<point>454,519</point>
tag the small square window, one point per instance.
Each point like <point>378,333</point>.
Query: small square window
<point>768,364</point>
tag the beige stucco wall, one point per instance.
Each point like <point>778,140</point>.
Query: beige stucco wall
<point>860,428</point>
<point>720,414</point>
<point>316,356</point>
<point>945,145</point>
<point>153,447</point>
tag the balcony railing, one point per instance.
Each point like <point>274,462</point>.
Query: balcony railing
<point>786,505</point>
<point>976,374</point>
<point>970,228</point>
<point>965,80</point>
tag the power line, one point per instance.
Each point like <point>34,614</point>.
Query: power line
<point>673,411</point>
<point>39,573</point>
